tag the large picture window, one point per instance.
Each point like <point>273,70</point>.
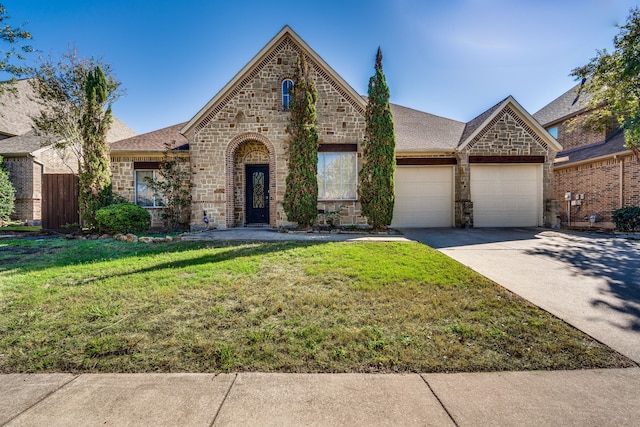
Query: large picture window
<point>144,193</point>
<point>337,176</point>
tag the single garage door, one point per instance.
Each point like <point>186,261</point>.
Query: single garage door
<point>506,195</point>
<point>424,196</point>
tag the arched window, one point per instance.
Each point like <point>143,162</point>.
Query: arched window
<point>287,87</point>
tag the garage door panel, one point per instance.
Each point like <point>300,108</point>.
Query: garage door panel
<point>424,197</point>
<point>506,195</point>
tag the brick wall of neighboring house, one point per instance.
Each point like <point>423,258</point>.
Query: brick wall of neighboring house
<point>123,181</point>
<point>249,125</point>
<point>606,184</point>
<point>573,135</point>
<point>507,135</point>
<point>26,175</point>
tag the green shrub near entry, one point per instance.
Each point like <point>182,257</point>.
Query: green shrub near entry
<point>123,218</point>
<point>627,218</point>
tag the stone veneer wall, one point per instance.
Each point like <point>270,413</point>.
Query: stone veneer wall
<point>507,135</point>
<point>123,180</point>
<point>252,114</point>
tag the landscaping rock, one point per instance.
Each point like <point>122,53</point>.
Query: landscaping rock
<point>146,240</point>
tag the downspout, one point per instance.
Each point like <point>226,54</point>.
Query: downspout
<point>621,161</point>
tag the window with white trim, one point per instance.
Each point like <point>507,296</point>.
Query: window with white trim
<point>144,193</point>
<point>553,131</point>
<point>337,176</point>
<point>287,87</point>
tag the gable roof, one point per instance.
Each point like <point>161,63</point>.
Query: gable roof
<point>153,141</point>
<point>566,105</point>
<point>417,131</point>
<point>249,71</point>
<point>30,143</point>
<point>17,106</point>
<point>607,148</point>
<point>476,127</point>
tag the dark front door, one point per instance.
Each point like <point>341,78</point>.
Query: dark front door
<point>257,192</point>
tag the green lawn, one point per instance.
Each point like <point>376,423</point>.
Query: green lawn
<point>108,306</point>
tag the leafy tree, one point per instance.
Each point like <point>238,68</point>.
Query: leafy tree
<point>16,37</point>
<point>7,194</point>
<point>376,185</point>
<point>301,195</point>
<point>171,187</point>
<point>76,95</point>
<point>611,80</point>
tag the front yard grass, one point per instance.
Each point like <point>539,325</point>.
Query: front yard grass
<point>109,306</point>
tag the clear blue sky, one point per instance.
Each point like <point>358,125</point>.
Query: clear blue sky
<point>453,58</point>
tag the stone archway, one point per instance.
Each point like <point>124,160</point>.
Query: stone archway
<point>248,149</point>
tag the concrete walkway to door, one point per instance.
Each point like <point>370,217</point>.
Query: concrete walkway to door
<point>591,281</point>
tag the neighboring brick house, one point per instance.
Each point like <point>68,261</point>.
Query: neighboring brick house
<point>596,168</point>
<point>493,171</point>
<point>27,156</point>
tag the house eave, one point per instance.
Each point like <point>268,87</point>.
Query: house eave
<point>624,153</point>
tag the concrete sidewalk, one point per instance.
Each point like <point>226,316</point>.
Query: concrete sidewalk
<point>569,398</point>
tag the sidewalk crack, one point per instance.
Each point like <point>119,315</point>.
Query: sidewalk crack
<point>45,397</point>
<point>439,401</point>
<point>215,417</point>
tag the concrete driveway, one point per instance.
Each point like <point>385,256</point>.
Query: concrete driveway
<point>591,281</point>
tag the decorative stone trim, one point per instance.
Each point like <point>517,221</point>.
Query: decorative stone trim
<point>286,42</point>
<point>230,155</point>
<point>516,117</point>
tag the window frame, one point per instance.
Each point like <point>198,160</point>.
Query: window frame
<point>157,202</point>
<point>322,189</point>
<point>553,131</point>
<point>285,91</point>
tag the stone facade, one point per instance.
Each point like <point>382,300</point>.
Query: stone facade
<point>123,180</point>
<point>507,135</point>
<point>248,126</point>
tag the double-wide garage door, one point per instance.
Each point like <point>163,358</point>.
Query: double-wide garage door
<point>506,195</point>
<point>424,196</point>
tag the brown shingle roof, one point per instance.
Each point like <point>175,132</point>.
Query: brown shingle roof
<point>568,104</point>
<point>17,106</point>
<point>16,109</point>
<point>418,131</point>
<point>153,141</point>
<point>613,145</point>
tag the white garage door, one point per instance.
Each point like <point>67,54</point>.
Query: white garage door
<point>506,195</point>
<point>424,196</point>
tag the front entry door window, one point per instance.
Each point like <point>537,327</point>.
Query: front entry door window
<point>257,194</point>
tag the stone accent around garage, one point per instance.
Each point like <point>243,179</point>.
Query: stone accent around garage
<point>507,135</point>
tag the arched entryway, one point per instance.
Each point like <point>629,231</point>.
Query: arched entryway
<point>250,181</point>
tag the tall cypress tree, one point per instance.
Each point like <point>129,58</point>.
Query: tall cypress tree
<point>376,185</point>
<point>301,195</point>
<point>94,174</point>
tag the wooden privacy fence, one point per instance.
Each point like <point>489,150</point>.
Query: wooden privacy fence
<point>59,201</point>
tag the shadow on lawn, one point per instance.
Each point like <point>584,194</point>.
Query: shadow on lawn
<point>34,257</point>
<point>615,260</point>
